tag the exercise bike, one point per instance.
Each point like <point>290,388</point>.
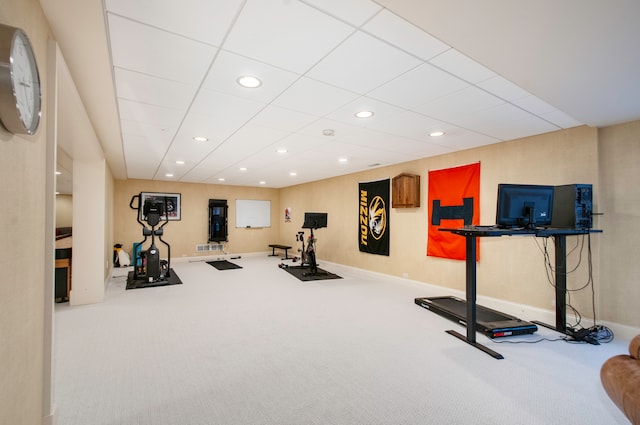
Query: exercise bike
<point>310,255</point>
<point>312,221</point>
<point>307,254</point>
<point>148,268</point>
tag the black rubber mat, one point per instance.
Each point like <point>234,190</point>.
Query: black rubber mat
<point>223,265</point>
<point>305,275</point>
<point>172,279</point>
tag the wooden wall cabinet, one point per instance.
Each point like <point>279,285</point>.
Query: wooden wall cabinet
<point>405,191</point>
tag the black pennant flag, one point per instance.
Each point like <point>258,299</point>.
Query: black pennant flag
<point>373,217</point>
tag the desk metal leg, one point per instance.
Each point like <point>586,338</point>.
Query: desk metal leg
<point>560,242</point>
<point>471,300</point>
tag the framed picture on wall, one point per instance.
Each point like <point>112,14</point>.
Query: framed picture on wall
<point>171,203</point>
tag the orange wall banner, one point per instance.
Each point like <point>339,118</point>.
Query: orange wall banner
<point>454,201</point>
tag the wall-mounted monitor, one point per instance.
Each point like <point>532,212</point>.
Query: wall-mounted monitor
<point>523,205</point>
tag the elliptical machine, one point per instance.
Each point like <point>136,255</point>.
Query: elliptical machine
<point>148,268</point>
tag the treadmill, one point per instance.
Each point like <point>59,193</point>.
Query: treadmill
<point>493,323</point>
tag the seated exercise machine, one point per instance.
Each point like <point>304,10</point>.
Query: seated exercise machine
<point>148,269</point>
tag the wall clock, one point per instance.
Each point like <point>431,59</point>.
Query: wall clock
<point>19,82</point>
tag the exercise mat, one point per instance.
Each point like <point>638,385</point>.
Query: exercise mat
<point>223,265</point>
<point>172,279</point>
<point>304,273</point>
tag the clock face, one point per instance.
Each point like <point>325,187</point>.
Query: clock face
<point>26,83</point>
<point>19,82</point>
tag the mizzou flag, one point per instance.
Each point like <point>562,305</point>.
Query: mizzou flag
<point>373,207</point>
<point>454,201</point>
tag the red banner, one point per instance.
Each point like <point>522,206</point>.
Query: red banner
<point>454,201</point>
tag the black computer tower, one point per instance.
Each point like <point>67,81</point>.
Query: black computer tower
<point>573,206</point>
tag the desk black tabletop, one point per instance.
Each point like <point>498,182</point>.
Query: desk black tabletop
<point>484,231</point>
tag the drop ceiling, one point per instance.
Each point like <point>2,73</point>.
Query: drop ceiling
<point>173,71</point>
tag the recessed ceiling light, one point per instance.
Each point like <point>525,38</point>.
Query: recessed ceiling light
<point>200,139</point>
<point>263,182</point>
<point>343,160</point>
<point>168,175</point>
<point>328,132</point>
<point>436,133</point>
<point>58,173</point>
<point>281,151</point>
<point>243,168</point>
<point>180,162</point>
<point>221,179</point>
<point>249,81</point>
<point>364,114</point>
<point>293,174</point>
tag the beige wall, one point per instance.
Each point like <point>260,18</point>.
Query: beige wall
<point>192,229</point>
<point>108,224</point>
<point>619,158</point>
<point>64,211</point>
<point>510,269</point>
<point>22,295</point>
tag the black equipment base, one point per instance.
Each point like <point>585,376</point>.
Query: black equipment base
<point>493,323</point>
<point>171,279</point>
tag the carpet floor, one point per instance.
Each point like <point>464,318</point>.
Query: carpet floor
<point>255,347</point>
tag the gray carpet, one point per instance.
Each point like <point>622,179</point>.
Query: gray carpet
<point>256,347</point>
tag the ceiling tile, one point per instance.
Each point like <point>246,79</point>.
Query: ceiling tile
<point>382,112</point>
<point>203,20</point>
<point>356,12</point>
<point>362,63</point>
<point>418,86</point>
<point>313,97</point>
<point>151,51</point>
<point>507,122</point>
<point>166,118</point>
<point>283,119</point>
<point>560,119</point>
<point>534,105</point>
<point>503,88</point>
<point>389,119</point>
<point>217,115</point>
<point>286,34</point>
<point>455,107</point>
<point>402,34</point>
<point>155,135</point>
<point>462,66</point>
<point>152,90</point>
<point>228,67</point>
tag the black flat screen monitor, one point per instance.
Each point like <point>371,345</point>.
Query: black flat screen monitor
<point>523,205</point>
<point>313,220</point>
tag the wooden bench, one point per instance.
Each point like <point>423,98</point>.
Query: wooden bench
<point>275,246</point>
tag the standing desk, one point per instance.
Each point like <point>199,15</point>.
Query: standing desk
<point>471,233</point>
